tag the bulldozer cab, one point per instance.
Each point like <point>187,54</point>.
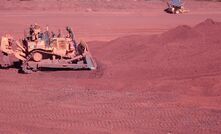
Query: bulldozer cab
<point>36,45</point>
<point>60,43</point>
<point>60,46</point>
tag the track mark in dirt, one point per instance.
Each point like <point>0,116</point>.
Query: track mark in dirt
<point>131,111</point>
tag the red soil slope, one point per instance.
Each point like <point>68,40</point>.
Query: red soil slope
<point>180,52</point>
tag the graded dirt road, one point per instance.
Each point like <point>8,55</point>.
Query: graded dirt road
<point>158,74</point>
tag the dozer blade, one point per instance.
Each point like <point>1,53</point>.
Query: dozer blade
<point>91,64</point>
<point>59,64</point>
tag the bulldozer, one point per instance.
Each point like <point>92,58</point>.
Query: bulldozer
<point>43,49</point>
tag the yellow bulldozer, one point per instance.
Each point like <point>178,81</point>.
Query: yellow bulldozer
<point>43,49</point>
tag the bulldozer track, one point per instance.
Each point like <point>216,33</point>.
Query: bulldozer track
<point>30,55</point>
<point>28,58</point>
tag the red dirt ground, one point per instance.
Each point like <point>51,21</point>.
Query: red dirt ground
<point>158,73</point>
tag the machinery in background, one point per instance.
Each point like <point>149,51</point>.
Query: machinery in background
<point>175,7</point>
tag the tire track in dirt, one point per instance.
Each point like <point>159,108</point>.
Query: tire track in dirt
<point>95,116</point>
<point>131,111</point>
